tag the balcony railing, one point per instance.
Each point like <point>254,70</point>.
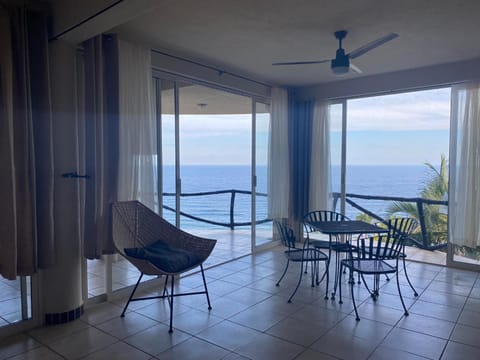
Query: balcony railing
<point>425,242</point>
<point>233,195</point>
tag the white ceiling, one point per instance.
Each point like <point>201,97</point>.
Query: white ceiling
<point>247,36</point>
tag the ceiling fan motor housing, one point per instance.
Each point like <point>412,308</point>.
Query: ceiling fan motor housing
<point>341,63</point>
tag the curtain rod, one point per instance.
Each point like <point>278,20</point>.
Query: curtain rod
<point>73,27</point>
<point>219,71</point>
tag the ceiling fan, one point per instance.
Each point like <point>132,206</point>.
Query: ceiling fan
<point>341,64</point>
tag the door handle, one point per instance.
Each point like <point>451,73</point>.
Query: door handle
<point>75,175</point>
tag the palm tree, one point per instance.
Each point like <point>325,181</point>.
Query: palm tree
<point>435,216</point>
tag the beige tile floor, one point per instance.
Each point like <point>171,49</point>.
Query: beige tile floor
<point>251,319</point>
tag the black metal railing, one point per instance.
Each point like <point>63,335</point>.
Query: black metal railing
<point>425,242</point>
<point>422,241</point>
<point>233,195</point>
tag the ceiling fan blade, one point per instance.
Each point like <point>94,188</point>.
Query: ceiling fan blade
<point>301,62</point>
<point>371,45</point>
<point>355,69</point>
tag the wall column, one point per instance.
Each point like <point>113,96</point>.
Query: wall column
<point>61,285</point>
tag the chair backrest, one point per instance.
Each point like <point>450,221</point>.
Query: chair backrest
<point>321,215</point>
<point>386,246</point>
<point>404,225</point>
<point>286,234</point>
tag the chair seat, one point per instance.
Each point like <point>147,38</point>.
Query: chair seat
<point>165,257</point>
<point>305,255</point>
<point>369,266</point>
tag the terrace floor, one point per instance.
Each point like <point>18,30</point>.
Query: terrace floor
<point>251,319</point>
<point>231,245</point>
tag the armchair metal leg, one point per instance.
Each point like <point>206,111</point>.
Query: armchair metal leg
<point>165,286</point>
<point>205,286</point>
<point>131,295</point>
<point>170,302</point>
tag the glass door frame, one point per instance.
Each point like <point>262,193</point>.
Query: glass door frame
<point>343,165</point>
<point>158,76</point>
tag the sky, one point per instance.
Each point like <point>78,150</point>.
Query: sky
<point>398,129</point>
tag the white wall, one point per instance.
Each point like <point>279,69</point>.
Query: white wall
<point>61,284</point>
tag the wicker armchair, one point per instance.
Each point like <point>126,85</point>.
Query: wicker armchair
<point>137,231</point>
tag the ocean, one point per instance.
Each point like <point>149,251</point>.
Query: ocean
<point>380,180</point>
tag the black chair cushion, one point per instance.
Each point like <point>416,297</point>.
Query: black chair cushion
<point>165,257</point>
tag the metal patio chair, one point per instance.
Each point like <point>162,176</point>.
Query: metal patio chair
<point>306,254</point>
<point>405,226</point>
<point>374,255</point>
<point>333,242</point>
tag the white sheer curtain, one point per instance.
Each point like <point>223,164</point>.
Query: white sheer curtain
<point>278,156</point>
<point>137,142</point>
<point>320,183</point>
<point>464,193</point>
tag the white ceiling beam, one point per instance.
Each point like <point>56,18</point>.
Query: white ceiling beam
<point>76,21</point>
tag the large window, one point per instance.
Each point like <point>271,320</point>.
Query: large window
<point>396,151</point>
<point>15,300</point>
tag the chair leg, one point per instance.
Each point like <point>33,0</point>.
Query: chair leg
<point>408,279</point>
<point>206,290</point>
<point>170,330</point>
<point>401,297</point>
<point>298,283</point>
<point>327,271</point>
<point>312,269</point>
<point>327,265</point>
<point>165,286</point>
<point>131,295</point>
<point>284,272</point>
<point>337,273</point>
<point>353,296</point>
<point>340,301</point>
<point>366,286</point>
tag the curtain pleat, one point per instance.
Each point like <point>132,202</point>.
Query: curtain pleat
<point>464,188</point>
<point>43,138</point>
<point>101,142</point>
<point>300,140</point>
<point>137,129</point>
<point>278,157</point>
<point>26,158</point>
<point>320,181</point>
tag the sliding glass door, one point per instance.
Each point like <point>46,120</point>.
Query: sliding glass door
<point>214,162</point>
<point>214,151</point>
<point>393,161</point>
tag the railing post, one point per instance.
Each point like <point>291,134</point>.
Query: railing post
<point>421,218</point>
<point>232,208</point>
